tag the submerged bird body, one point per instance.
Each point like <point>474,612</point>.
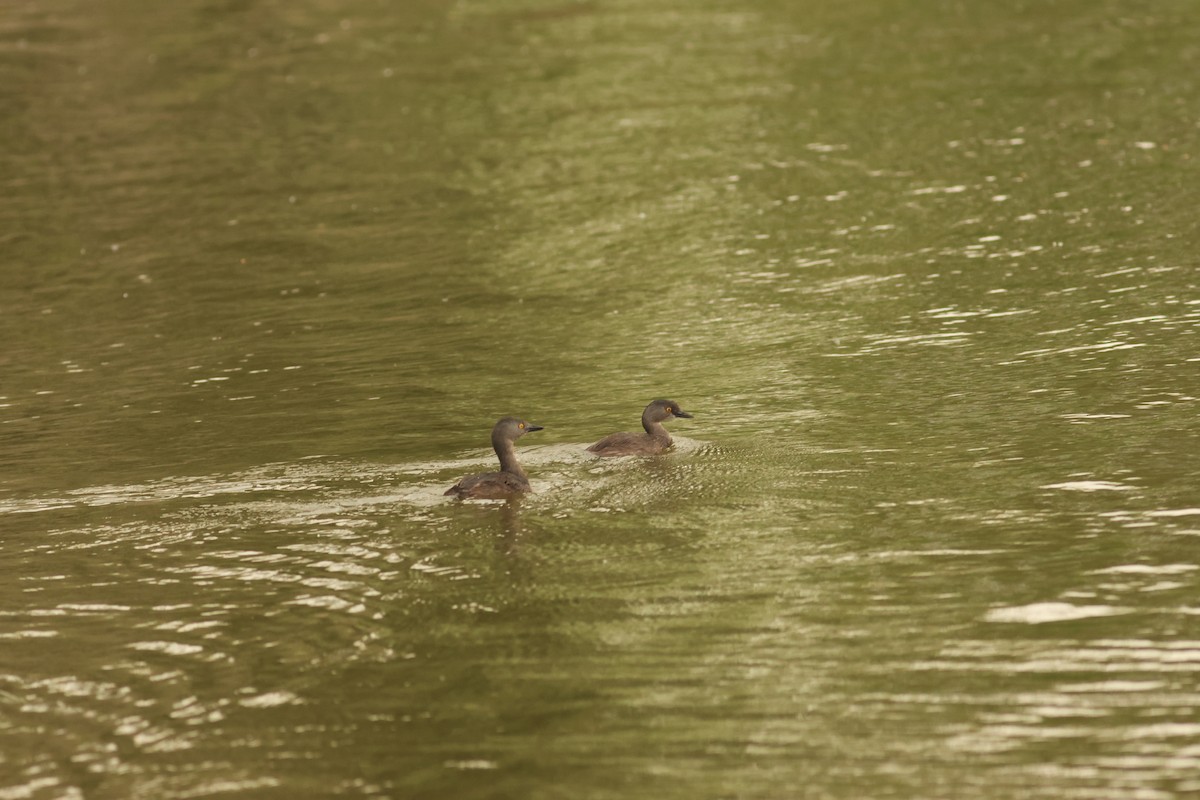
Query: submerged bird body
<point>655,440</point>
<point>511,479</point>
<point>490,486</point>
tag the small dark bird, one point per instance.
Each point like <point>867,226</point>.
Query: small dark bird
<point>654,441</point>
<point>511,479</point>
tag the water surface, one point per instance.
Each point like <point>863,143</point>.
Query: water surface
<point>926,276</point>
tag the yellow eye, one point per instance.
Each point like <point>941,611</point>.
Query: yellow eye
<point>521,425</point>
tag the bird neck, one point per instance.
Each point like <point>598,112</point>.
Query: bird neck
<point>507,454</point>
<point>655,429</point>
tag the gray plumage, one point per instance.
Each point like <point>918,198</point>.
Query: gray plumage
<point>654,441</point>
<point>511,479</point>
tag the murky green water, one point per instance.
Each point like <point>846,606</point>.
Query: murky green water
<point>926,274</point>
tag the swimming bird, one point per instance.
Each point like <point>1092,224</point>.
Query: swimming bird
<point>511,479</point>
<point>654,441</point>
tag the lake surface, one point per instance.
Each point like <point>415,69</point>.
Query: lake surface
<point>925,273</point>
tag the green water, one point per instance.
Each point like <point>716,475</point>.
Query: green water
<point>924,272</point>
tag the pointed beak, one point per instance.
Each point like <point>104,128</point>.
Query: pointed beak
<point>533,428</point>
<point>682,413</point>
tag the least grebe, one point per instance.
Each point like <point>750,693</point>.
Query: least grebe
<point>654,441</point>
<point>511,479</point>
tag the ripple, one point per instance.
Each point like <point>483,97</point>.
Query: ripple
<point>1147,569</point>
<point>170,648</point>
<point>1089,486</point>
<point>1038,613</point>
<point>270,700</point>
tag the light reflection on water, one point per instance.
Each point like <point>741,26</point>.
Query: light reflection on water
<point>276,269</point>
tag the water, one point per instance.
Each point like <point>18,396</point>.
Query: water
<point>926,276</point>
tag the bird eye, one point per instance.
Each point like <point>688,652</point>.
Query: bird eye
<point>521,425</point>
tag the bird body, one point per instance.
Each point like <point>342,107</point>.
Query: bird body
<point>511,479</point>
<point>490,486</point>
<point>653,441</point>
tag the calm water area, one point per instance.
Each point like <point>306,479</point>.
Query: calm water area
<point>926,274</point>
